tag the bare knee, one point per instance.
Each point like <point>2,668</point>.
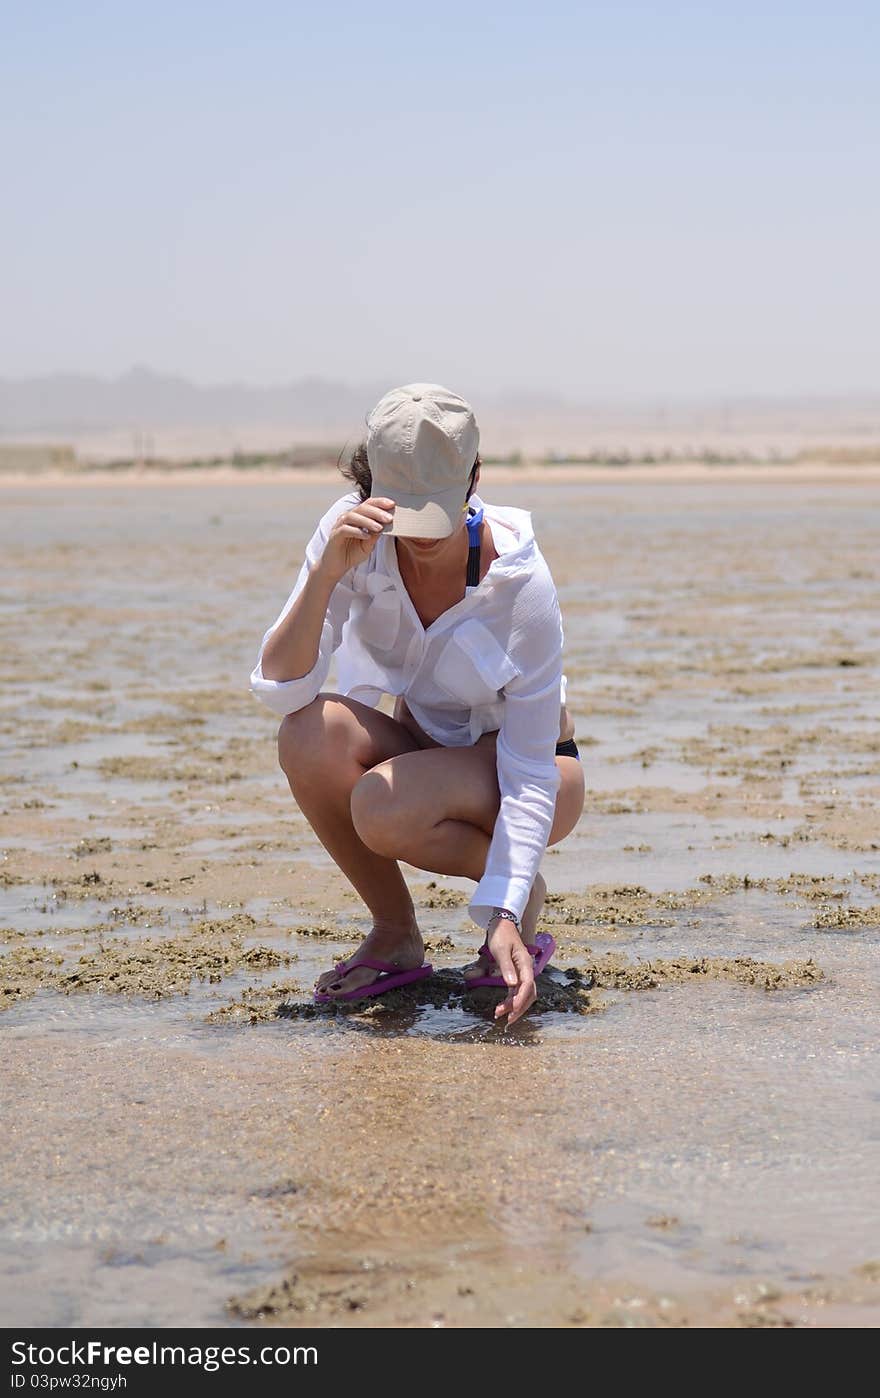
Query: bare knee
<point>313,737</point>
<point>570,799</point>
<point>376,812</point>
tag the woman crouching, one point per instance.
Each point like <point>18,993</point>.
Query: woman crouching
<point>426,593</point>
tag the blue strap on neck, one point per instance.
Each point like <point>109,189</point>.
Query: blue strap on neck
<point>474,527</point>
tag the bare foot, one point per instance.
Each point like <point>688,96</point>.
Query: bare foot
<point>484,967</point>
<point>403,948</point>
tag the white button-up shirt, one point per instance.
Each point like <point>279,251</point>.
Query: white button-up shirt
<point>491,662</point>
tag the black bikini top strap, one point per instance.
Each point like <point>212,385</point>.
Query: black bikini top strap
<point>474,529</point>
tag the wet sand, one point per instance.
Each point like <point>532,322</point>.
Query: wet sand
<point>683,1131</point>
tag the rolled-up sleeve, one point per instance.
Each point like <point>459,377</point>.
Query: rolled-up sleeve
<point>287,696</point>
<point>528,777</point>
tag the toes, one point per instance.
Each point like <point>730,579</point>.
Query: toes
<point>338,984</point>
<point>327,978</point>
<point>333,988</point>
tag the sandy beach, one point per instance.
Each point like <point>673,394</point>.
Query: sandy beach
<point>683,1132</point>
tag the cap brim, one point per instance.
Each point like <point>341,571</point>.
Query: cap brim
<point>416,517</point>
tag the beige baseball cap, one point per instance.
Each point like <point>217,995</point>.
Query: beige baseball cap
<point>422,442</point>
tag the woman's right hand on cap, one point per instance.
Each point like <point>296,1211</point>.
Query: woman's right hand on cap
<point>354,534</point>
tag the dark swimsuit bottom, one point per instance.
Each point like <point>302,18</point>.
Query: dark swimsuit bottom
<point>566,747</point>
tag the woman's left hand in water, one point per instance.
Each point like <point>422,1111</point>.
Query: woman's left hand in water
<point>515,965</point>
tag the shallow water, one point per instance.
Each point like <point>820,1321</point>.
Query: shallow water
<point>700,1152</point>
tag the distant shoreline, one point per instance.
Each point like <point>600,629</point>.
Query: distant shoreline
<point>682,472</point>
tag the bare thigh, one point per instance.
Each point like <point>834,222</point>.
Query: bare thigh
<point>434,784</point>
<point>338,738</point>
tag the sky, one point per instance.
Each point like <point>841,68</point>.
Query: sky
<point>615,200</point>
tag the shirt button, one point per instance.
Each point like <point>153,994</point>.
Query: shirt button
<point>417,398</point>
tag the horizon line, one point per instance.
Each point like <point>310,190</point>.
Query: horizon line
<point>145,372</point>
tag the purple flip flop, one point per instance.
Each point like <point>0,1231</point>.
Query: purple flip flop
<point>390,978</point>
<point>542,951</point>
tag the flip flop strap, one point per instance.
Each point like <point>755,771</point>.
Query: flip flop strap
<point>371,963</point>
<point>387,966</point>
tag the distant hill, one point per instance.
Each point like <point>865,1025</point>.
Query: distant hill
<point>174,416</point>
<point>142,397</point>
<point>80,402</point>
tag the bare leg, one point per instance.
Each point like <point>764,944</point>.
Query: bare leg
<point>437,810</point>
<point>324,750</point>
<point>373,796</point>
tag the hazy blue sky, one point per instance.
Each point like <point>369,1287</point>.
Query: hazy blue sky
<point>596,199</point>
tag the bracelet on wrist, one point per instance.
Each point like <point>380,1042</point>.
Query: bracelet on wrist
<point>505,915</point>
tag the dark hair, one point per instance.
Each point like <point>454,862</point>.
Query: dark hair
<point>357,470</point>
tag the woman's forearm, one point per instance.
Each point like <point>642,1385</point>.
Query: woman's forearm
<point>292,649</point>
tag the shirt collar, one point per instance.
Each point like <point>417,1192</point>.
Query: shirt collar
<point>512,535</point>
